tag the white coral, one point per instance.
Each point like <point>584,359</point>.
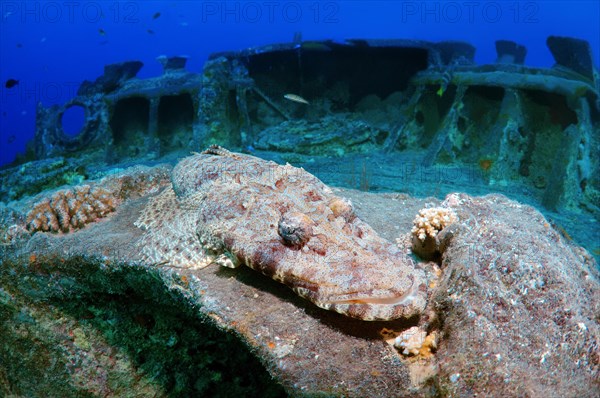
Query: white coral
<point>411,341</point>
<point>431,221</point>
<point>415,341</point>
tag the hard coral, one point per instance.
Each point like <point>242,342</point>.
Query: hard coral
<point>427,224</point>
<point>431,221</point>
<point>71,209</point>
<point>415,341</point>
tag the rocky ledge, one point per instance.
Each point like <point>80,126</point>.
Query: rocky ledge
<point>513,310</point>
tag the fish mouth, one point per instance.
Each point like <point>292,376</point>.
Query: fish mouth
<point>368,305</point>
<point>371,298</point>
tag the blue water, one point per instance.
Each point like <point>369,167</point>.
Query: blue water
<point>50,47</point>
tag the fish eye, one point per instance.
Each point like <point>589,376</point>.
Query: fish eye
<point>295,228</point>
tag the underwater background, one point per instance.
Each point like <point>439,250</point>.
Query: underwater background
<point>456,146</point>
<point>50,51</point>
<point>50,47</point>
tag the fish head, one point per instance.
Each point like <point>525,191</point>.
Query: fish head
<point>326,255</point>
<point>341,264</point>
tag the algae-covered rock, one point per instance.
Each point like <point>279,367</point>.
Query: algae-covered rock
<point>512,310</point>
<point>518,306</point>
<point>34,177</point>
<point>331,136</point>
<point>119,334</point>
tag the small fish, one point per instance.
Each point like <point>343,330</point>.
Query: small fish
<point>10,83</point>
<point>296,98</point>
<point>156,15</point>
<point>19,45</point>
<point>43,39</point>
<point>102,32</point>
<point>150,31</point>
<point>11,139</point>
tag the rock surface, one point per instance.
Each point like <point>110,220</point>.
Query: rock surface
<point>330,136</point>
<point>516,307</point>
<point>518,304</point>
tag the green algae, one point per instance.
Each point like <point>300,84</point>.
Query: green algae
<point>75,327</point>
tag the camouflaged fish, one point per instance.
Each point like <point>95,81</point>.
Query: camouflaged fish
<point>229,209</point>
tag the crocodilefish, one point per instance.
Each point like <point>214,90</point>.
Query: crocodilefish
<point>231,209</point>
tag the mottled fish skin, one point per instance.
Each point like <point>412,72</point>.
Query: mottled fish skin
<point>287,224</point>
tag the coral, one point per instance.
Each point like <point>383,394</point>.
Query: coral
<point>73,208</point>
<point>70,209</point>
<point>415,341</point>
<point>431,221</point>
<point>426,227</point>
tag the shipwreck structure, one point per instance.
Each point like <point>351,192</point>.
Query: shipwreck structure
<point>88,307</point>
<point>537,127</point>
